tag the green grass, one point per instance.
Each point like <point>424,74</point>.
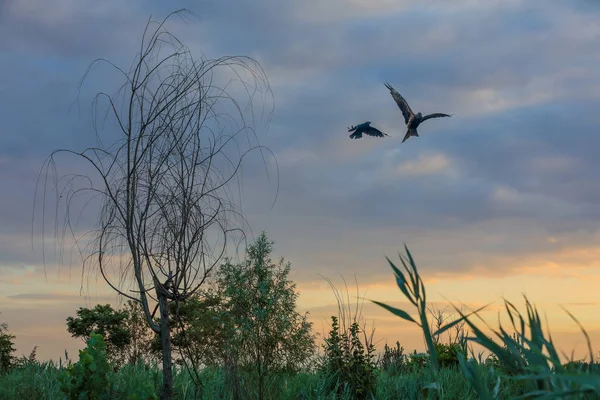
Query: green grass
<point>40,381</point>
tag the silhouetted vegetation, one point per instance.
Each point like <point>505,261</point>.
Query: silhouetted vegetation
<point>250,327</point>
<point>7,348</point>
<point>102,320</point>
<point>348,365</point>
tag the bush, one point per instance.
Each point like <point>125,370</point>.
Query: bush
<point>109,323</point>
<point>264,334</point>
<point>348,365</point>
<point>393,360</point>
<point>448,354</point>
<point>87,378</point>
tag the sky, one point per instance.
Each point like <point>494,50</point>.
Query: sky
<point>498,201</point>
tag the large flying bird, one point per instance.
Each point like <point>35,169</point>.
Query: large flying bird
<point>365,128</point>
<point>411,119</point>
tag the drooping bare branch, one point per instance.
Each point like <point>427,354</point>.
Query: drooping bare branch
<point>179,137</point>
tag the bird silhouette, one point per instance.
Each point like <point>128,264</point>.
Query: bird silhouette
<point>365,128</point>
<point>411,119</point>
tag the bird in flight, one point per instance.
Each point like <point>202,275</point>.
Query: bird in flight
<point>411,119</point>
<point>365,128</point>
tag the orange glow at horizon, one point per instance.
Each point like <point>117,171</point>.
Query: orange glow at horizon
<point>546,285</point>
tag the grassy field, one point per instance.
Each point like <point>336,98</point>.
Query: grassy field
<point>40,381</point>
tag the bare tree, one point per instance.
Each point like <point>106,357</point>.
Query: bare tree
<point>167,212</point>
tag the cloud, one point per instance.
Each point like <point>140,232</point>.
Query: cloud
<point>48,30</point>
<point>424,165</point>
<point>507,186</point>
<point>43,297</point>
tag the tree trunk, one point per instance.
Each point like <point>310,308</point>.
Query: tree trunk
<point>231,378</point>
<point>165,344</point>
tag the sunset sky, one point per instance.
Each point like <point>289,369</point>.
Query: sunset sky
<point>499,200</point>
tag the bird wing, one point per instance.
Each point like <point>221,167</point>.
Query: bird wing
<point>356,135</point>
<point>402,103</point>
<point>374,132</point>
<point>435,115</point>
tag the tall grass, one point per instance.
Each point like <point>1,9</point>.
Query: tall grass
<point>527,356</point>
<point>19,384</point>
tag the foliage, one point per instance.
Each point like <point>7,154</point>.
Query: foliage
<point>457,342</point>
<point>494,360</point>
<point>134,386</point>
<point>266,335</point>
<point>90,378</point>
<point>524,364</point>
<point>87,378</point>
<point>393,360</point>
<point>142,338</point>
<point>583,367</point>
<point>32,380</point>
<point>23,361</point>
<point>7,348</point>
<point>246,321</point>
<point>414,290</point>
<point>40,381</point>
<point>103,320</point>
<point>199,326</point>
<point>530,360</point>
<point>448,354</point>
<point>127,336</point>
<point>347,364</point>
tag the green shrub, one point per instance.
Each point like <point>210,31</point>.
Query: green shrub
<point>418,360</point>
<point>393,360</point>
<point>448,354</point>
<point>87,379</point>
<point>111,324</point>
<point>348,365</point>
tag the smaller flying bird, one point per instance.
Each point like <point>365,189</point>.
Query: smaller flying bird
<point>365,128</point>
<point>411,119</point>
